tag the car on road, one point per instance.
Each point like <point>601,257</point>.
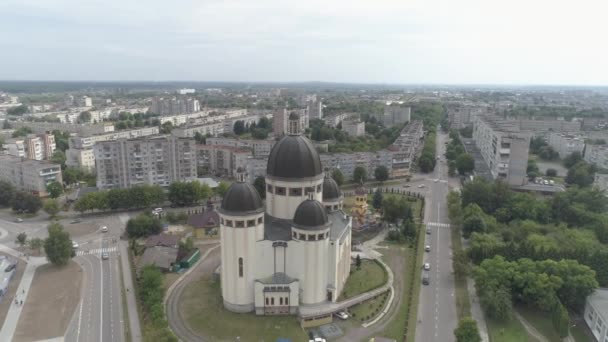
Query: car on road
<point>76,221</point>
<point>105,256</point>
<point>427,266</point>
<point>427,248</point>
<point>18,220</point>
<point>428,231</point>
<point>75,244</point>
<point>436,180</point>
<point>104,229</point>
<point>421,186</point>
<point>342,315</point>
<point>406,185</point>
<point>426,279</point>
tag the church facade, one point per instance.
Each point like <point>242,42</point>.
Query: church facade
<point>293,251</point>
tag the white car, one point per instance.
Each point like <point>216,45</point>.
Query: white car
<point>342,315</point>
<point>427,248</point>
<point>105,256</point>
<point>427,266</point>
<point>436,180</point>
<point>75,244</point>
<point>421,186</point>
<point>104,229</point>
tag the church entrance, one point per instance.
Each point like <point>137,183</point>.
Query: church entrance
<point>329,296</point>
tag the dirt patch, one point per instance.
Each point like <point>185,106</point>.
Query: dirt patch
<point>80,229</point>
<point>6,301</point>
<point>51,302</point>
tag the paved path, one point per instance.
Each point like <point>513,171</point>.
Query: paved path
<point>530,328</point>
<point>477,312</point>
<point>14,312</point>
<point>134,325</point>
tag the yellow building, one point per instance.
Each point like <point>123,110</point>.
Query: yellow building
<point>359,210</point>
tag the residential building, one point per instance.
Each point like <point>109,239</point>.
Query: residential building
<point>256,167</point>
<point>28,174</point>
<point>68,100</point>
<point>597,154</point>
<point>173,105</point>
<point>565,143</point>
<point>406,147</point>
<point>221,160</point>
<point>85,101</point>
<point>601,182</point>
<point>315,109</point>
<point>355,128</point>
<point>247,121</point>
<point>185,91</point>
<point>279,122</point>
<point>154,160</point>
<point>181,119</point>
<point>503,147</point>
<point>37,147</point>
<point>334,120</point>
<point>347,162</point>
<point>189,131</point>
<point>596,314</point>
<point>461,115</point>
<point>80,129</point>
<point>259,148</point>
<point>395,115</point>
<point>544,126</point>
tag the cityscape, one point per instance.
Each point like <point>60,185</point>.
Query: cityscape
<point>340,172</point>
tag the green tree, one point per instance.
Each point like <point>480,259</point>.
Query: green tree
<point>338,176</point>
<point>55,189</point>
<point>51,207</point>
<point>572,159</point>
<point>381,173</point>
<point>581,174</point>
<point>21,132</point>
<point>166,127</point>
<point>473,224</point>
<point>377,199</point>
<point>143,225</point>
<point>26,202</point>
<point>36,244</point>
<point>239,127</point>
<point>61,140</point>
<point>260,185</point>
<point>259,133</point>
<point>7,192</point>
<point>465,163</point>
<point>58,246</point>
<point>551,173</point>
<point>359,174</point>
<point>426,163</point>
<point>19,110</point>
<point>467,331</point>
<point>21,239</point>
<point>395,207</point>
<point>358,262</point>
<point>221,189</point>
<point>84,117</point>
<point>560,320</point>
<point>58,157</point>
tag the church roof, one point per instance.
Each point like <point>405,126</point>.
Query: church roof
<point>331,190</point>
<point>310,215</point>
<point>242,199</point>
<point>294,156</point>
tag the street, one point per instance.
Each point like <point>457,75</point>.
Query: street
<point>437,316</point>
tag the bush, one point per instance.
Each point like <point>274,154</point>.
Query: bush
<point>551,173</point>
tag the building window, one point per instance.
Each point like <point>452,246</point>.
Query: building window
<point>311,237</point>
<point>302,237</point>
<point>221,220</point>
<point>267,301</point>
<point>269,188</point>
<point>328,207</point>
<point>320,237</point>
<point>260,220</point>
<point>281,301</point>
<point>319,188</point>
<point>295,191</point>
<point>294,235</point>
<point>286,300</point>
<point>239,224</point>
<point>229,223</point>
<point>272,301</point>
<point>279,190</point>
<point>335,207</point>
<point>240,267</point>
<point>250,223</point>
<point>309,189</point>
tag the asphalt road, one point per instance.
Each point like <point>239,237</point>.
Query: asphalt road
<point>437,316</point>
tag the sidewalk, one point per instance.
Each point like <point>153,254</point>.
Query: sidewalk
<point>14,312</point>
<point>134,326</point>
<point>477,312</point>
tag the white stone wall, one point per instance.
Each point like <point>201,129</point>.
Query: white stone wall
<point>284,206</point>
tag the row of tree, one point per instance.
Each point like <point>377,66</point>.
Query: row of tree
<point>427,160</point>
<point>151,294</point>
<point>259,130</point>
<point>57,246</point>
<point>458,159</point>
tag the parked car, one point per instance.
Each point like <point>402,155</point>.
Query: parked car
<point>421,186</point>
<point>428,231</point>
<point>76,221</point>
<point>427,266</point>
<point>105,256</point>
<point>342,315</point>
<point>18,220</point>
<point>426,279</point>
<point>427,248</point>
<point>104,229</point>
<point>75,244</point>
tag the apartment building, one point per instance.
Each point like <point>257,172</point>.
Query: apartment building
<point>565,143</point>
<point>279,117</point>
<point>190,131</point>
<point>28,174</point>
<point>174,105</point>
<point>601,181</point>
<point>84,101</point>
<point>406,147</point>
<point>315,109</point>
<point>259,148</point>
<point>181,119</point>
<point>37,147</point>
<point>347,162</point>
<point>395,115</point>
<point>334,120</point>
<point>503,147</point>
<point>80,129</point>
<point>256,167</point>
<point>221,160</point>
<point>247,120</point>
<point>355,128</point>
<point>542,127</point>
<point>597,154</point>
<point>462,115</point>
<point>154,160</point>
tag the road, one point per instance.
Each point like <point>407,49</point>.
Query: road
<point>437,317</point>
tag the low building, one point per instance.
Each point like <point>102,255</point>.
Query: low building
<point>28,174</point>
<point>355,128</point>
<point>164,240</point>
<point>596,314</point>
<point>565,143</point>
<point>80,129</point>
<point>597,154</point>
<point>258,148</point>
<point>221,160</point>
<point>190,131</point>
<point>162,257</point>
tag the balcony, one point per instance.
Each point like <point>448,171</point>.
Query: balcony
<point>505,151</point>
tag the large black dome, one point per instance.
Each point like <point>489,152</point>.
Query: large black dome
<point>242,198</point>
<point>331,190</point>
<point>310,214</point>
<point>294,156</point>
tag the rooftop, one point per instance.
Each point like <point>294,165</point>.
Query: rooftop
<point>280,229</point>
<point>599,300</point>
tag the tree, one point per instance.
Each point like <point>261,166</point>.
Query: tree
<point>338,176</point>
<point>473,224</point>
<point>51,207</point>
<point>58,157</point>
<point>259,133</point>
<point>581,174</point>
<point>36,244</point>
<point>21,239</point>
<point>166,127</point>
<point>381,173</point>
<point>396,207</point>
<point>239,127</point>
<point>26,202</point>
<point>551,173</point>
<point>377,199</point>
<point>21,132</point>
<point>465,163</point>
<point>54,189</point>
<point>7,192</point>
<point>572,159</point>
<point>359,174</point>
<point>426,163</point>
<point>560,320</point>
<point>84,117</point>
<point>19,110</point>
<point>221,189</point>
<point>58,246</point>
<point>260,185</point>
<point>358,262</point>
<point>143,225</point>
<point>467,331</point>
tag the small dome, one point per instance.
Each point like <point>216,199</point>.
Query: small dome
<point>311,215</point>
<point>241,198</point>
<point>361,190</point>
<point>331,190</point>
<point>294,156</point>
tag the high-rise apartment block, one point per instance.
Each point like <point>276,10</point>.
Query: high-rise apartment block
<point>395,115</point>
<point>355,128</point>
<point>597,154</point>
<point>37,147</point>
<point>221,160</point>
<point>503,147</point>
<point>462,115</point>
<point>84,101</point>
<point>154,161</point>
<point>279,122</point>
<point>315,109</point>
<point>29,175</point>
<point>174,105</point>
<point>565,144</point>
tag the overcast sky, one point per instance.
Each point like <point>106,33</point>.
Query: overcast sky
<point>401,41</point>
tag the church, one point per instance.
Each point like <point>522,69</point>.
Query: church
<point>294,251</point>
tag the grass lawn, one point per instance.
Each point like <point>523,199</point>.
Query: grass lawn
<point>509,331</point>
<point>202,309</point>
<point>370,308</point>
<point>579,334</point>
<point>540,320</point>
<point>371,275</point>
<point>396,327</point>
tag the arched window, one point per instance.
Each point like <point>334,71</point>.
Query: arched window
<point>281,300</point>
<point>267,301</point>
<point>272,301</point>
<point>241,267</point>
<point>286,300</point>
